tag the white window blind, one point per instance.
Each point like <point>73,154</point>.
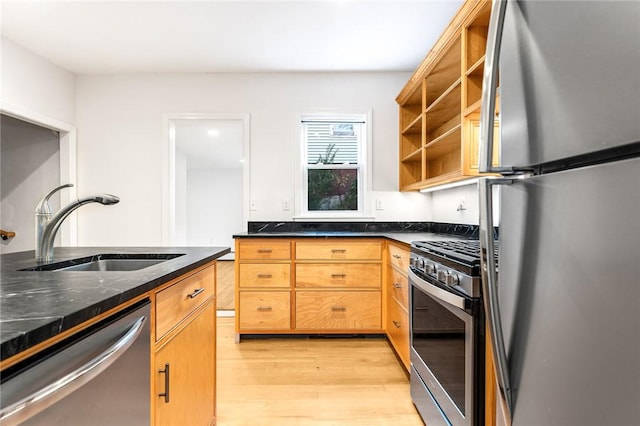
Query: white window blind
<point>321,136</point>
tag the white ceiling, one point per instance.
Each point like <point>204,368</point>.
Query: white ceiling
<point>88,37</point>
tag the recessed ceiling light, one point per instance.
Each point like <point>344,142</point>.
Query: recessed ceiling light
<point>214,133</point>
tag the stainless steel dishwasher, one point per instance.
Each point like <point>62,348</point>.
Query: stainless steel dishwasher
<point>99,376</point>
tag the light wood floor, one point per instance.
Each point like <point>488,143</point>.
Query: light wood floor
<point>281,382</point>
<point>225,283</point>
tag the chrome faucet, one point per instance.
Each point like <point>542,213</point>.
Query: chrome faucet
<point>47,224</point>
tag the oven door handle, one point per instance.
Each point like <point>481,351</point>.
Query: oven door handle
<point>437,292</point>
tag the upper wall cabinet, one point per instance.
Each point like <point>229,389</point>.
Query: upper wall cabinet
<point>440,105</point>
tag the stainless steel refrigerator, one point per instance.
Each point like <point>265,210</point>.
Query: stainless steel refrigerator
<point>563,301</point>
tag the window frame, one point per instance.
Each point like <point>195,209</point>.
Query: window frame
<point>362,167</point>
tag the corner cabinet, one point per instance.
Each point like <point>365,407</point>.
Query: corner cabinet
<point>308,285</point>
<point>184,363</point>
<point>440,105</point>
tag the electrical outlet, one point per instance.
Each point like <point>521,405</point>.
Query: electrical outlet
<point>252,205</point>
<point>286,205</point>
<point>379,205</point>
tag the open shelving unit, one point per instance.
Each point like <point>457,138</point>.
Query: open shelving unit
<point>440,105</point>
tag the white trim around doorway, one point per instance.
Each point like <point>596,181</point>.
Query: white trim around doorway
<point>168,167</point>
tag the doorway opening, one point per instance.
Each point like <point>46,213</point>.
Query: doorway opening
<point>208,187</point>
<point>38,153</point>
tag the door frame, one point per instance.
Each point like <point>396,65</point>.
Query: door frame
<point>68,162</point>
<point>169,167</point>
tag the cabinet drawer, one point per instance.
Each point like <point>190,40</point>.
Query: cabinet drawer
<point>265,275</point>
<point>265,250</point>
<point>337,250</point>
<point>265,310</point>
<point>399,258</point>
<point>338,310</point>
<point>399,287</point>
<point>398,330</point>
<point>176,302</point>
<point>362,275</point>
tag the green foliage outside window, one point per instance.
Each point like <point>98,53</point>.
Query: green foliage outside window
<point>332,189</point>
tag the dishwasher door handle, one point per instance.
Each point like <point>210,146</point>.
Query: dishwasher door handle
<point>39,400</point>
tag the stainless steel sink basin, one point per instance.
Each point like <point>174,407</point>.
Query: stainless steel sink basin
<point>107,262</point>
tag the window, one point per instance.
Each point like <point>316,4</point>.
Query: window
<point>333,165</point>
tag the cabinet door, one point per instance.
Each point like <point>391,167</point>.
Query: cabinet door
<point>338,275</point>
<point>190,384</point>
<point>338,250</point>
<point>265,310</point>
<point>398,329</point>
<point>264,275</point>
<point>338,310</point>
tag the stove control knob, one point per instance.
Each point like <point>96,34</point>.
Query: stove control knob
<point>452,279</point>
<point>430,268</point>
<point>420,264</point>
<point>442,275</point>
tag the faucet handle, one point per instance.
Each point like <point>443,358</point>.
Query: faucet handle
<point>43,206</point>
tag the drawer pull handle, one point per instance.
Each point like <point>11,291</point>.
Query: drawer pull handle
<point>265,251</point>
<point>339,309</point>
<point>397,256</point>
<point>264,276</point>
<point>397,285</point>
<point>397,324</point>
<point>338,250</point>
<point>265,309</point>
<point>166,383</point>
<point>195,293</point>
<point>338,275</point>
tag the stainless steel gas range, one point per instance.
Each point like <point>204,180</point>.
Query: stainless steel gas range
<point>447,332</point>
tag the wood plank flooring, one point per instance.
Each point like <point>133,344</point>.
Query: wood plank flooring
<point>325,381</point>
<point>225,283</point>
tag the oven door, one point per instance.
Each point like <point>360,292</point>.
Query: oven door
<point>445,354</point>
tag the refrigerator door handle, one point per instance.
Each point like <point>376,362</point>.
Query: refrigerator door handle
<point>489,83</point>
<point>489,289</point>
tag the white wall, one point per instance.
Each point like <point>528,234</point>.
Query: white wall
<point>120,141</point>
<point>33,85</point>
<point>445,204</point>
<point>209,192</point>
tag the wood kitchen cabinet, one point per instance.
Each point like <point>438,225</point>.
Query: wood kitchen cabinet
<point>263,286</point>
<point>309,285</point>
<point>338,285</point>
<point>184,352</point>
<point>440,104</point>
<point>398,300</point>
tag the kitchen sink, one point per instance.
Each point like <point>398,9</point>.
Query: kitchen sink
<point>117,262</point>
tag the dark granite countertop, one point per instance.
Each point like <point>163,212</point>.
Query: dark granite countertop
<point>36,306</point>
<point>402,232</point>
<point>400,237</point>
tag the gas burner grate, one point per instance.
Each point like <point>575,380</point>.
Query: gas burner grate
<point>466,252</point>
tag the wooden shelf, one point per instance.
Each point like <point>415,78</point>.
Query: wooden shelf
<point>413,157</point>
<point>447,141</point>
<point>476,68</point>
<point>444,110</point>
<point>414,127</point>
<point>437,144</point>
<point>474,107</point>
